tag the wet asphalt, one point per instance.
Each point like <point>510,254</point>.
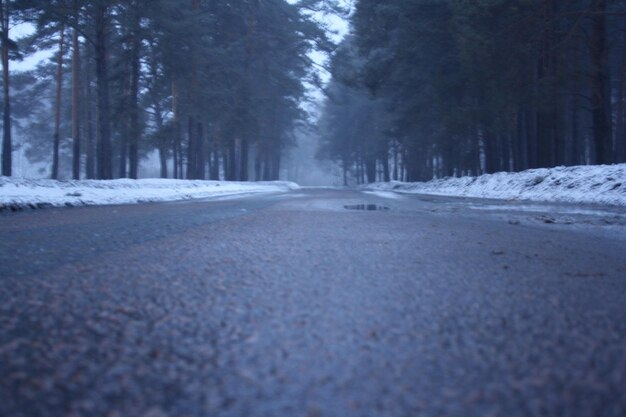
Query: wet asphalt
<point>303,304</point>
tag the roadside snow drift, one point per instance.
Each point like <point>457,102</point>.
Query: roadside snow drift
<point>602,184</point>
<point>18,193</point>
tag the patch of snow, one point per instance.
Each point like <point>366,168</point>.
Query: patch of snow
<point>544,208</point>
<point>19,192</point>
<point>596,184</point>
<point>385,194</point>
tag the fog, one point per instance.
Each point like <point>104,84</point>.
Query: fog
<point>38,142</point>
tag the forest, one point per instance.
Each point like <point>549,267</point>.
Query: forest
<point>438,88</point>
<point>216,87</point>
<point>419,89</point>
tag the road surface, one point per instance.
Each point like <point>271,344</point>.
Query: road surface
<point>300,304</point>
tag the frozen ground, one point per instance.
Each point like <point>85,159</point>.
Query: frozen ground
<point>18,193</point>
<point>603,184</point>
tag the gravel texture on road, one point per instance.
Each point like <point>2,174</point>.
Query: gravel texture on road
<point>292,305</point>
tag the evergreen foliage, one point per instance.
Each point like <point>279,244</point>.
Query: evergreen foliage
<point>471,87</point>
<point>216,87</point>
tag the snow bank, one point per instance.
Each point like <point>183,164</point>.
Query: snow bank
<point>17,192</point>
<point>602,184</point>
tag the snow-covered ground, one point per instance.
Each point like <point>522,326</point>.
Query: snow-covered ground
<point>19,192</point>
<point>602,184</point>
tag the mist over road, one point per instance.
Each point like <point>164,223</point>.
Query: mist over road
<point>294,305</point>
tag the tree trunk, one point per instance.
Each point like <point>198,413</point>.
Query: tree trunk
<point>225,163</point>
<point>518,153</point>
<point>386,171</point>
<point>620,134</point>
<point>215,163</point>
<point>370,170</point>
<point>162,140</point>
<point>75,99</point>
<point>191,148</point>
<point>104,149</point>
<point>574,151</point>
<point>491,157</point>
<point>600,105</point>
<point>243,166</point>
<point>384,159</point>
<point>123,153</point>
<point>258,163</point>
<point>163,159</point>
<point>192,100</point>
<point>7,146</point>
<point>178,169</point>
<point>90,161</point>
<point>276,161</point>
<point>135,130</point>
<point>266,166</point>
<point>200,151</point>
<point>123,138</point>
<point>57,107</point>
<point>395,160</point>
<point>231,174</point>
<point>175,160</point>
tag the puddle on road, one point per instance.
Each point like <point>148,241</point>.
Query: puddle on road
<point>366,207</point>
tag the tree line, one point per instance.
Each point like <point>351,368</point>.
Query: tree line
<point>434,88</point>
<point>215,86</point>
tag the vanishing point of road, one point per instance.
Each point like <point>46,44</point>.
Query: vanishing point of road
<point>293,305</point>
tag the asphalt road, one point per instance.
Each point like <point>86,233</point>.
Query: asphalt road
<point>292,305</point>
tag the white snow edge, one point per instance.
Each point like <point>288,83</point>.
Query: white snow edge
<point>21,192</point>
<point>593,184</point>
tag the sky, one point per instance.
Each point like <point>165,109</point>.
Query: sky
<point>339,28</point>
<point>19,31</point>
